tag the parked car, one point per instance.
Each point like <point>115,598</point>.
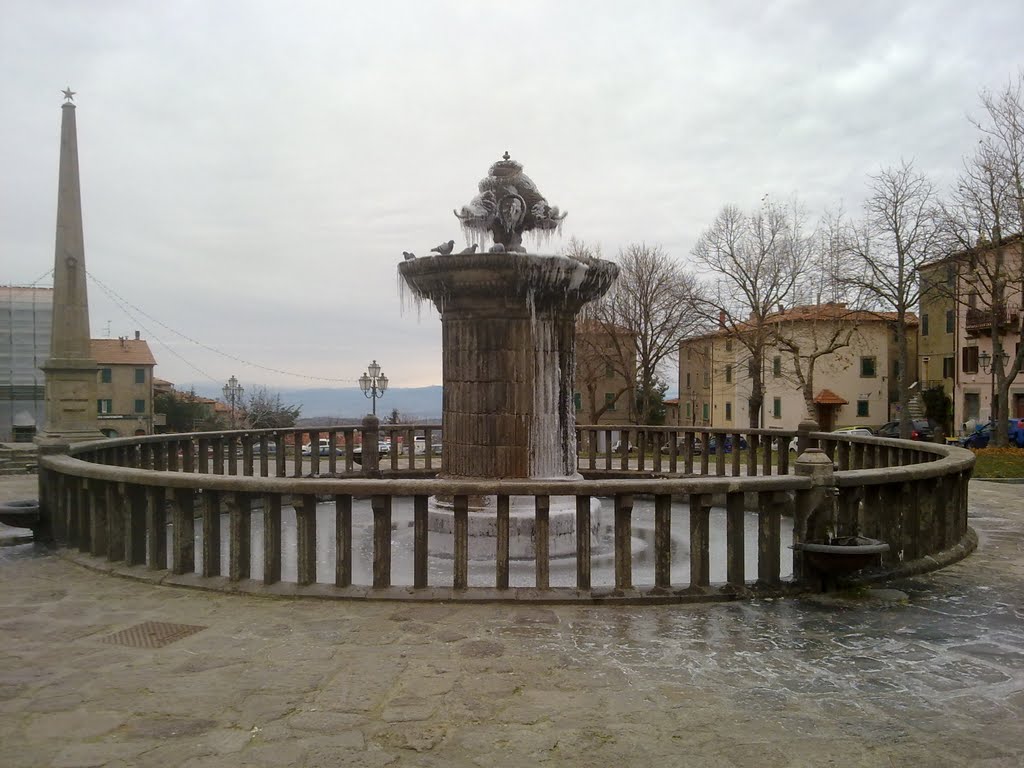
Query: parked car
<point>854,431</point>
<point>698,447</point>
<point>982,435</point>
<point>271,448</point>
<point>619,447</point>
<point>324,448</point>
<point>420,446</point>
<point>713,443</point>
<point>920,429</point>
<point>383,449</point>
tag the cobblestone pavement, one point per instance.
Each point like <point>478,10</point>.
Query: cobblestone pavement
<point>931,675</point>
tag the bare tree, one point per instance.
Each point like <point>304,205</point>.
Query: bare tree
<point>266,410</point>
<point>983,222</point>
<point>643,316</point>
<point>757,261</point>
<point>899,233</point>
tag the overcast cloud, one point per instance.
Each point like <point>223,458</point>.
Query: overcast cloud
<point>251,172</point>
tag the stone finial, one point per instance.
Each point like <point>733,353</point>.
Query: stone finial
<point>508,205</point>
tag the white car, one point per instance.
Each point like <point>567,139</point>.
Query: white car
<point>324,449</point>
<point>420,446</point>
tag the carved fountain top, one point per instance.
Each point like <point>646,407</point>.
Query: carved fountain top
<point>508,205</point>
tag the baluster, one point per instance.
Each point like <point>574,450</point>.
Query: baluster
<point>542,507</point>
<point>844,456</point>
<point>705,454</point>
<point>381,506</point>
<point>332,451</point>
<point>623,541</point>
<point>913,495</point>
<point>421,553</point>
<point>892,522</point>
<point>582,543</point>
<point>753,442</point>
<point>592,447</point>
<point>240,537</point>
<point>172,455</point>
<point>272,538</point>
<point>84,516</point>
<point>280,455</point>
<point>146,456</point>
<point>314,453</point>
<point>156,527</point>
<point>247,455</point>
<point>305,535</point>
<point>231,446</point>
<point>766,454</point>
<point>188,457</point>
<point>218,456</point>
<point>135,525</point>
<point>460,576</point>
<point>205,448</point>
<point>97,519</point>
<point>502,544</point>
<point>783,458</point>
<point>264,457</point>
<point>663,541</point>
<point>211,533</point>
<point>160,457</point>
<point>183,556</point>
<point>735,545</point>
<point>720,455</point>
<point>428,447</point>
<point>700,527</point>
<point>688,441</point>
<point>116,503</point>
<point>608,449</point>
<point>769,537</point>
<point>737,454</point>
<point>343,540</point>
<point>393,451</point>
<point>297,458</point>
<point>656,443</point>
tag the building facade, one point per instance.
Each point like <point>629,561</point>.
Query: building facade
<point>124,386</point>
<point>960,320</point>
<point>605,378</point>
<point>26,319</point>
<point>854,382</point>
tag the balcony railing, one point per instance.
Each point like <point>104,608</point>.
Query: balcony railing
<point>981,320</point>
<point>158,507</point>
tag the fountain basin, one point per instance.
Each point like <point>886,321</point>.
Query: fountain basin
<point>841,555</point>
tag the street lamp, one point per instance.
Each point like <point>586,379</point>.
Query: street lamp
<point>373,383</point>
<point>233,392</point>
<point>985,359</point>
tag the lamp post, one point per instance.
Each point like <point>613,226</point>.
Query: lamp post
<point>986,361</point>
<point>233,392</point>
<point>373,383</point>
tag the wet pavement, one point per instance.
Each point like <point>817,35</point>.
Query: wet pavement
<point>96,670</point>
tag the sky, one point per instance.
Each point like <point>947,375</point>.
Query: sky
<point>252,171</point>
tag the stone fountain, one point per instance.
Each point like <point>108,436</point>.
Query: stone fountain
<point>508,321</point>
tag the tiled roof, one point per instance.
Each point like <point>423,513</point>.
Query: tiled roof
<point>808,313</point>
<point>828,397</point>
<point>121,352</point>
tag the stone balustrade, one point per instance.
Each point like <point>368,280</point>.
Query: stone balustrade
<point>138,506</point>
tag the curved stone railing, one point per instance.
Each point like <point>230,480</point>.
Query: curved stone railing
<point>182,509</point>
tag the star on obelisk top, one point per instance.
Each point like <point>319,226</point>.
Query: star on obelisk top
<point>69,95</point>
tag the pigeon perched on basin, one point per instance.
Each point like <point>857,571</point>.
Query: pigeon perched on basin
<point>444,248</point>
<point>408,255</point>
<point>496,248</point>
<point>471,249</point>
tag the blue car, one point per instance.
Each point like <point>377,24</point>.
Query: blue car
<point>982,434</point>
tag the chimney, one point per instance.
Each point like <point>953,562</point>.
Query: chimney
<point>136,335</point>
<point>721,318</point>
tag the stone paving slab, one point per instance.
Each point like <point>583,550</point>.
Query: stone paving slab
<point>927,673</point>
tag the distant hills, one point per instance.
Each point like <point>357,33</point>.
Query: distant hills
<point>413,403</point>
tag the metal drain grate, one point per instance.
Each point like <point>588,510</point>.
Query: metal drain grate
<point>151,634</point>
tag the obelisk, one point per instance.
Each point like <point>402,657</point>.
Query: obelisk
<point>70,370</point>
